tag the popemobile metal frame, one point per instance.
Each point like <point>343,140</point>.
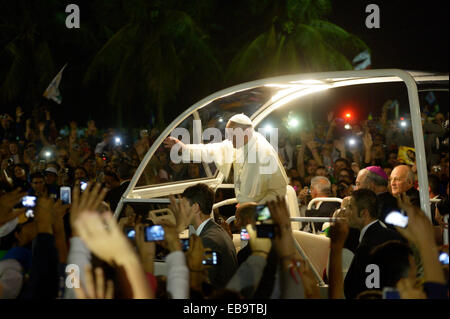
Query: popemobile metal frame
<point>299,85</point>
<point>293,87</point>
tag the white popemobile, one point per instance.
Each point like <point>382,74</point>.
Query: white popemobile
<point>260,100</point>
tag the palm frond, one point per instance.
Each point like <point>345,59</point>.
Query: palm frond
<point>339,38</point>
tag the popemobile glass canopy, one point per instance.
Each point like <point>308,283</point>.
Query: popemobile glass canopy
<point>272,102</point>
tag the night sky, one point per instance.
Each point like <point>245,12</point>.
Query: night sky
<point>413,35</point>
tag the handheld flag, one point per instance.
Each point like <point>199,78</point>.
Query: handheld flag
<point>362,61</point>
<point>52,91</point>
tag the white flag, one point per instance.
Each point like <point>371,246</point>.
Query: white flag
<point>52,91</point>
<point>363,60</point>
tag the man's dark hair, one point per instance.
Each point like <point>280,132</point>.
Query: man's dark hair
<point>366,199</point>
<point>201,194</point>
<point>83,169</point>
<point>125,171</point>
<point>383,138</point>
<point>434,183</point>
<point>340,159</point>
<point>23,166</point>
<point>113,175</point>
<point>36,175</point>
<point>393,259</point>
<point>351,174</point>
<point>341,190</point>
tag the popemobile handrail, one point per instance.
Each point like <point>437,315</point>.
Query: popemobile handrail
<point>445,232</point>
<point>324,199</point>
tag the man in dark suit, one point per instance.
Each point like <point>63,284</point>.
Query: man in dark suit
<point>375,179</point>
<point>200,200</point>
<point>362,214</point>
<point>434,185</point>
<point>125,173</point>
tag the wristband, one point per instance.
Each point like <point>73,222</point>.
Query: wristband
<point>294,266</point>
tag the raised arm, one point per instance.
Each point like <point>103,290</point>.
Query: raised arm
<point>313,146</point>
<point>338,233</point>
<point>42,135</point>
<point>296,280</point>
<point>249,274</point>
<point>111,245</point>
<point>420,232</point>
<point>301,161</point>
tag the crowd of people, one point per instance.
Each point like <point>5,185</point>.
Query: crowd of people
<point>79,250</point>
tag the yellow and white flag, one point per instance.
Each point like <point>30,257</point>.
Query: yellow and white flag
<point>52,91</point>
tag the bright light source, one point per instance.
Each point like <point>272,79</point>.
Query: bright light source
<point>352,141</point>
<point>268,128</point>
<point>347,126</point>
<point>220,120</point>
<point>117,140</point>
<point>293,122</point>
<point>48,154</point>
<point>403,123</point>
<point>308,82</point>
<point>348,115</point>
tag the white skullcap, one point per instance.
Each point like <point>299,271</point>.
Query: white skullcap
<point>241,119</point>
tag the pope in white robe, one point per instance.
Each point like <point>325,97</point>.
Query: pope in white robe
<point>259,175</point>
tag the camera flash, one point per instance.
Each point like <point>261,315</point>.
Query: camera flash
<point>352,141</point>
<point>47,154</point>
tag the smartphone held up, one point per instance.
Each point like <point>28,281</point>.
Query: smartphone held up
<point>29,202</point>
<point>154,233</point>
<point>264,224</point>
<point>65,194</point>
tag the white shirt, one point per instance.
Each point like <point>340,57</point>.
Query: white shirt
<point>259,175</point>
<point>8,227</point>
<point>79,255</point>
<point>177,275</point>
<point>11,278</point>
<point>202,225</point>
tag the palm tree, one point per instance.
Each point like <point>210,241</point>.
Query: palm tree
<point>27,63</point>
<point>148,58</point>
<point>297,39</point>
